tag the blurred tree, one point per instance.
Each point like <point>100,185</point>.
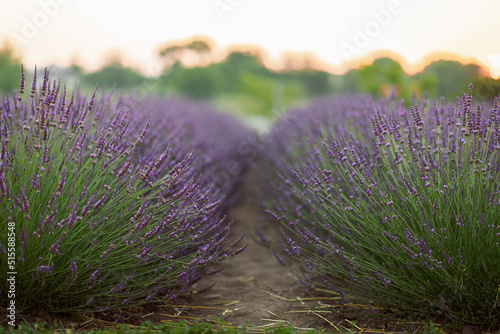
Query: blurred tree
<point>451,77</point>
<point>349,82</point>
<point>316,83</point>
<point>265,95</point>
<point>196,82</point>
<point>115,74</point>
<point>10,68</point>
<point>202,48</point>
<point>237,63</point>
<point>425,82</point>
<point>259,90</point>
<point>246,59</point>
<point>243,82</point>
<point>216,78</point>
<point>173,52</point>
<point>382,76</point>
<point>243,78</point>
<point>486,88</point>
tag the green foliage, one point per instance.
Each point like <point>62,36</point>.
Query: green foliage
<point>114,75</point>
<point>256,90</point>
<point>450,77</point>
<point>431,329</point>
<point>266,93</point>
<point>485,88</point>
<point>316,83</point>
<point>9,69</point>
<point>253,89</point>
<point>197,82</point>
<point>440,79</point>
<point>381,76</point>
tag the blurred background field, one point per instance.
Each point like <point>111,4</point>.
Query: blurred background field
<point>256,59</point>
<point>243,85</point>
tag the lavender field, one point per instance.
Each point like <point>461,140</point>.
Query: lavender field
<point>111,202</point>
<point>394,205</point>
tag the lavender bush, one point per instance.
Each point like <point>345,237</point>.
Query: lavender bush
<point>105,202</point>
<point>212,137</point>
<point>397,207</point>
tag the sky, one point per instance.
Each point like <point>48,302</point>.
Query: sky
<point>339,33</point>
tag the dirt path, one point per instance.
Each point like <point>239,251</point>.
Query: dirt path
<point>253,288</point>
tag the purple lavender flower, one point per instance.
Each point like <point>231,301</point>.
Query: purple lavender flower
<point>405,188</point>
<point>46,269</point>
<point>107,185</point>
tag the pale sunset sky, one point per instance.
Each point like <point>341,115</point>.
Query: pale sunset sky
<point>339,33</point>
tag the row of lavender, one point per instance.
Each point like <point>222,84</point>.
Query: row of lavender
<point>108,202</point>
<point>395,206</point>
